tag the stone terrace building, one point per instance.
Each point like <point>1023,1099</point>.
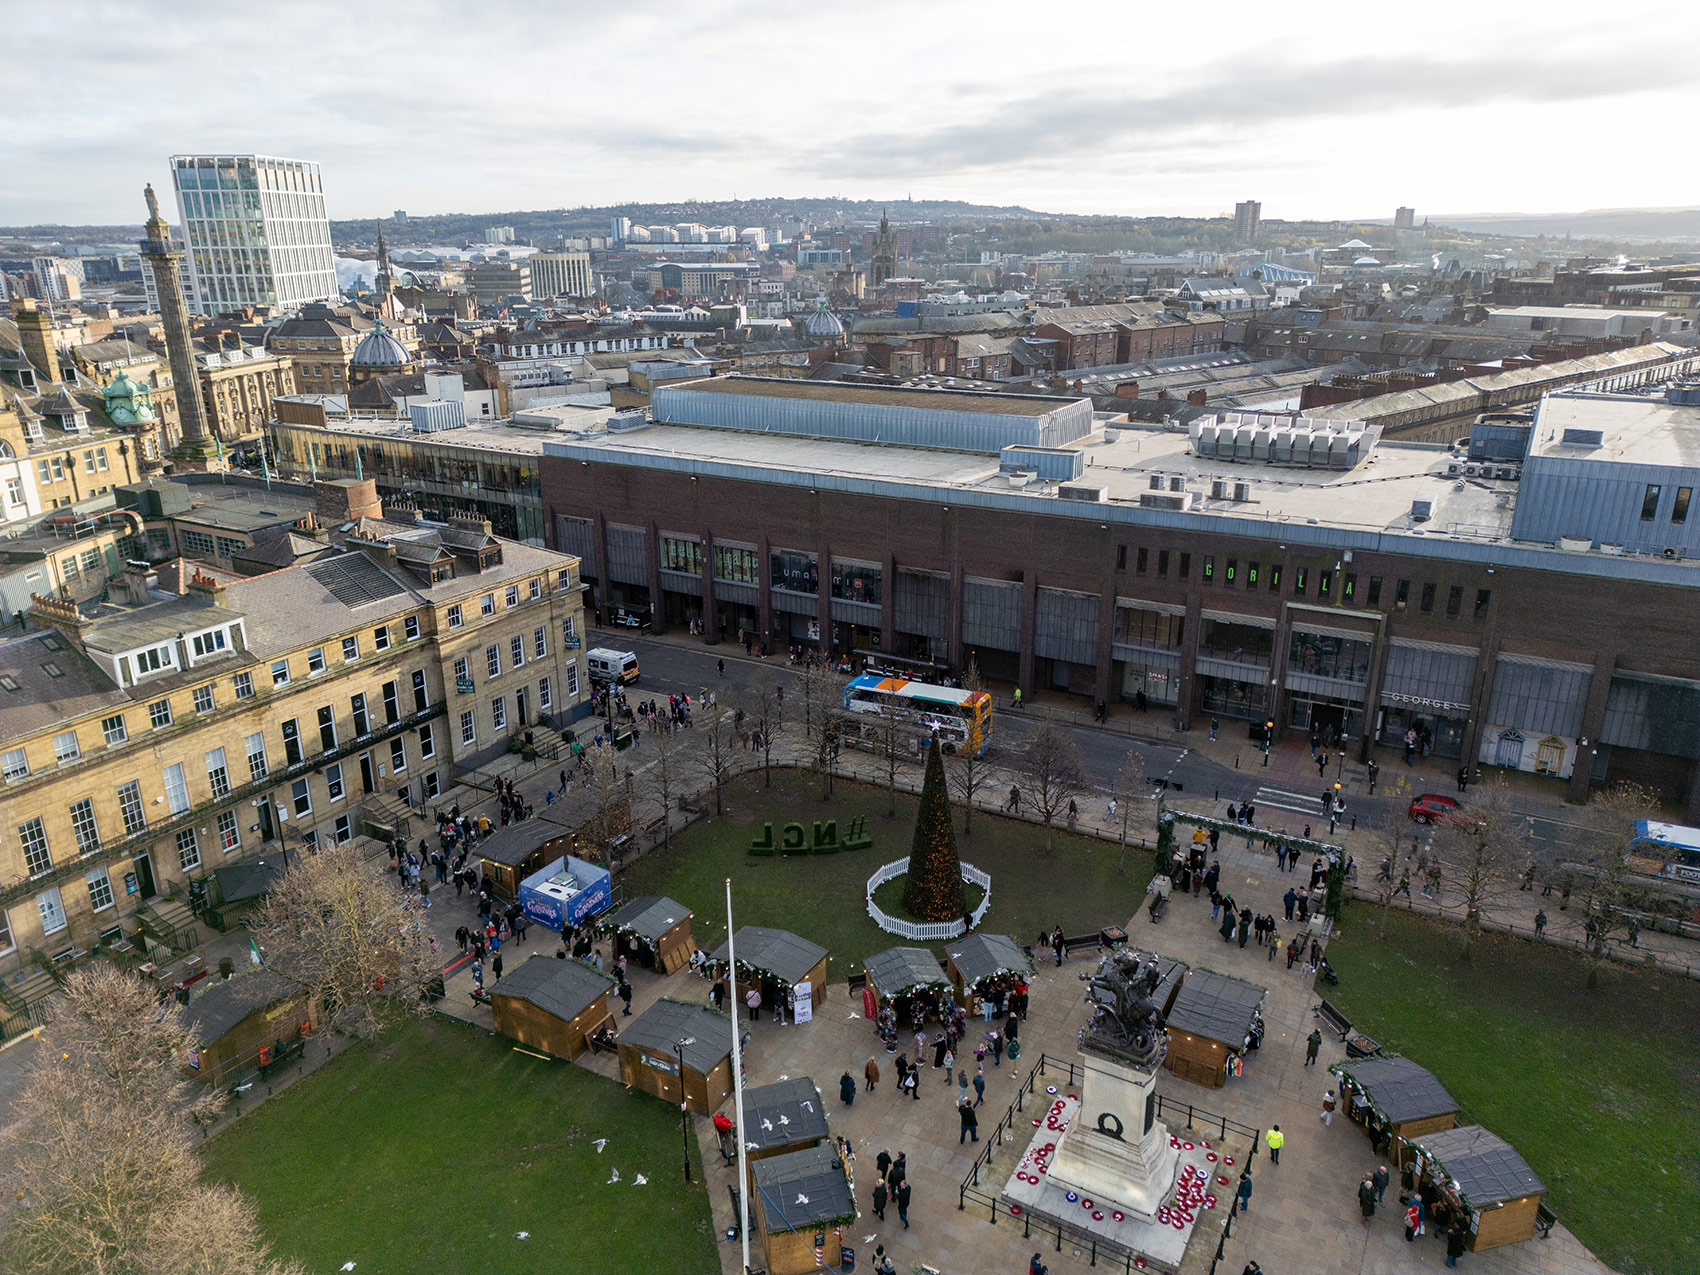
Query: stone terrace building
<point>153,737</point>
<point>1271,569</point>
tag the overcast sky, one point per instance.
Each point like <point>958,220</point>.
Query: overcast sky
<point>1319,110</point>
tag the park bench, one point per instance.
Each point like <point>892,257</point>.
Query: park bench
<point>1333,1019</point>
<point>1545,1220</point>
<point>1083,941</point>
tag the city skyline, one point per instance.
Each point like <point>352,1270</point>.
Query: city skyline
<point>1349,118</point>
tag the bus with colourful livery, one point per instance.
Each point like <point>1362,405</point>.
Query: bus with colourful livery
<point>961,719</point>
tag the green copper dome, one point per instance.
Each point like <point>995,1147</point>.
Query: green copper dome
<point>127,402</point>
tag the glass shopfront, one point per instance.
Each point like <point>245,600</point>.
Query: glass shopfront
<point>1227,697</point>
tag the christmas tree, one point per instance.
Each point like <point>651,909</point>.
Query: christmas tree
<point>933,890</point>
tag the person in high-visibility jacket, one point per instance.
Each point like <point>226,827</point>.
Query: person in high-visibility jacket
<point>1274,1140</point>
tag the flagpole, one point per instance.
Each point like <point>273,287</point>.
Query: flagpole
<point>737,1083</point>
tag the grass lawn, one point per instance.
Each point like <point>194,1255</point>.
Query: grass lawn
<point>431,1150</point>
<point>1596,1090</point>
<point>820,897</point>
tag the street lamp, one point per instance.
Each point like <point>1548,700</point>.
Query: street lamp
<point>1268,734</point>
<point>1341,772</point>
<point>684,1118</point>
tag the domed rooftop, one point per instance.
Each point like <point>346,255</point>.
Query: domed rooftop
<point>379,349</point>
<point>823,323</point>
<point>127,403</point>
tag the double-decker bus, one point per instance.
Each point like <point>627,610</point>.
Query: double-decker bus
<point>1665,850</point>
<point>961,719</point>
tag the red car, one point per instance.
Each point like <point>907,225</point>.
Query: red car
<point>1432,807</point>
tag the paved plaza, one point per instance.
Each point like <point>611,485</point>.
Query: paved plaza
<point>1304,1211</point>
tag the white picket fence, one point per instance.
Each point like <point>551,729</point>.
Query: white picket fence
<point>927,931</point>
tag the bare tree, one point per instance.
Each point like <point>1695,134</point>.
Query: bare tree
<point>891,739</point>
<point>1055,774</point>
<point>970,766</point>
<point>716,732</point>
<point>1613,901</point>
<point>99,1150</point>
<point>1397,842</point>
<point>1477,851</point>
<point>823,700</point>
<point>349,936</point>
<point>610,803</point>
<point>1129,787</point>
<point>767,710</point>
<point>664,776</point>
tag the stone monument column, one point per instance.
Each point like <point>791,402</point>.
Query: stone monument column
<point>196,450</point>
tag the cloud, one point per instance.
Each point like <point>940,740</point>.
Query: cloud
<point>1064,128</point>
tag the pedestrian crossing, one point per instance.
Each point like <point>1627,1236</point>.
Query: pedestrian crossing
<point>1297,802</point>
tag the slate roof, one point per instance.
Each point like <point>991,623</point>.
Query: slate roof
<point>562,988</point>
<point>239,882</point>
<point>514,844</point>
<point>1216,1007</point>
<point>1486,1167</point>
<point>897,969</point>
<point>802,1188</point>
<point>224,1004</point>
<point>979,956</point>
<point>660,1027</point>
<point>650,916</point>
<point>1398,1088</point>
<point>43,699</point>
<point>785,955</point>
<point>781,1113</point>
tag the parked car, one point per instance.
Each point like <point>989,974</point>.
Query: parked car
<point>1432,807</point>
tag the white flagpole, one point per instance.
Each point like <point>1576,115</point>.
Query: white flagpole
<point>737,1083</point>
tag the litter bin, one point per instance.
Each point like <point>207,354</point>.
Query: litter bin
<point>1111,935</point>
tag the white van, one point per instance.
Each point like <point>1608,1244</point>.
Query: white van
<point>608,665</point>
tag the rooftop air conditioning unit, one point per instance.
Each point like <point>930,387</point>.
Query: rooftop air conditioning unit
<point>1177,484</point>
<point>1472,471</point>
<point>1242,492</point>
<point>1078,491</point>
<point>1156,482</point>
<point>1174,501</point>
<point>1219,489</point>
<point>1422,510</point>
<point>1453,469</point>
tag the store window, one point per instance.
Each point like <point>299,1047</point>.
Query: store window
<point>857,581</point>
<point>679,554</point>
<point>795,571</point>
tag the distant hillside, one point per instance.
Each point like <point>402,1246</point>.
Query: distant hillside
<point>1597,223</point>
<point>542,224</point>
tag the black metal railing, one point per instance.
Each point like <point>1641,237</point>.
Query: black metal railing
<point>971,1192</point>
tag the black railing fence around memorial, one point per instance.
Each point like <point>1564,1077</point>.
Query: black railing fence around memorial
<point>980,1187</point>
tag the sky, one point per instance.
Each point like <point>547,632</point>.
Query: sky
<point>1319,110</point>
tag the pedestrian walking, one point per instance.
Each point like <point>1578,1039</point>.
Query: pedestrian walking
<point>1328,1108</point>
<point>1057,944</point>
<point>882,1162</point>
<point>1366,1200</point>
<point>847,1088</point>
<point>980,1085</point>
<point>1245,1192</point>
<point>970,1121</point>
<point>903,1193</point>
<point>1540,923</point>
<point>879,1199</point>
<point>1214,727</point>
<point>871,1074</point>
<point>753,999</point>
<point>1252,1268</point>
<point>1281,857</point>
<point>997,1049</point>
<point>1290,900</point>
<point>625,993</point>
<point>912,1084</point>
<point>1413,1221</point>
<point>1037,1267</point>
<point>1381,1177</point>
<point>496,966</point>
<point>1275,1140</point>
<point>899,1170</point>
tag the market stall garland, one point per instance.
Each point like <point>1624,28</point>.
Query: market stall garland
<point>778,956</point>
<point>1214,1009</point>
<point>1333,899</point>
<point>1485,1175</point>
<point>1404,1100</point>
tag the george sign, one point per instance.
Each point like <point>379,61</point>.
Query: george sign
<point>804,1007</point>
<point>1396,697</point>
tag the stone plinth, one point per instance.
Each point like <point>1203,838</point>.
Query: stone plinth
<point>1116,1148</point>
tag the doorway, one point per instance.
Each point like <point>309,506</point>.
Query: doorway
<point>268,830</point>
<point>143,868</point>
<point>366,784</point>
<point>521,705</point>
